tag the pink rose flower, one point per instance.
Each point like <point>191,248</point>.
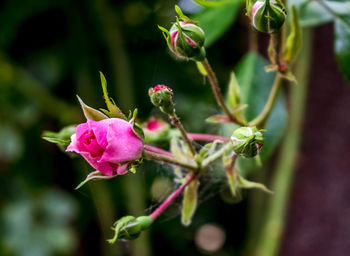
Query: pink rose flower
<point>108,145</point>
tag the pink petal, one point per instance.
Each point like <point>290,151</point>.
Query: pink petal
<point>123,144</point>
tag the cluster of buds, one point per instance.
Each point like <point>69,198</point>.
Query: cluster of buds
<point>185,38</point>
<point>162,96</point>
<point>268,16</point>
<point>247,141</point>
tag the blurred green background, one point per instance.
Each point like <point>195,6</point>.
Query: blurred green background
<point>50,51</point>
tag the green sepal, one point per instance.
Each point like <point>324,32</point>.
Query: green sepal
<point>113,110</point>
<point>96,175</point>
<point>244,183</point>
<point>189,202</point>
<point>181,151</point>
<point>91,113</point>
<point>218,119</point>
<point>249,6</point>
<point>234,92</point>
<point>294,40</point>
<point>231,175</point>
<point>135,126</point>
<point>61,138</point>
<point>206,150</point>
<point>289,76</point>
<point>209,3</point>
<point>134,165</point>
<point>271,68</point>
<point>201,68</point>
<point>182,16</point>
<point>166,36</point>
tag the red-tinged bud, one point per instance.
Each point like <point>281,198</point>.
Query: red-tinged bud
<point>155,130</point>
<point>185,39</point>
<point>162,96</point>
<point>268,16</point>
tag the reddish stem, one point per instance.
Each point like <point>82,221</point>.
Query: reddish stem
<point>157,150</point>
<point>170,199</point>
<point>206,137</point>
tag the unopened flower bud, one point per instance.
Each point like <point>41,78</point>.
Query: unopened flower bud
<point>155,130</point>
<point>185,40</point>
<point>162,96</point>
<point>268,16</point>
<point>247,141</point>
<point>130,227</point>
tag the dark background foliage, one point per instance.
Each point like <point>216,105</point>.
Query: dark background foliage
<point>52,50</point>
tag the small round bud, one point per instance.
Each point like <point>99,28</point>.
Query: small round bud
<point>186,41</point>
<point>268,16</point>
<point>247,141</point>
<point>162,96</point>
<point>155,130</point>
<point>130,227</point>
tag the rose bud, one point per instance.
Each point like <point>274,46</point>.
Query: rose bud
<point>155,130</point>
<point>162,96</point>
<point>185,40</point>
<point>247,141</point>
<point>129,227</point>
<point>268,16</point>
<point>109,145</point>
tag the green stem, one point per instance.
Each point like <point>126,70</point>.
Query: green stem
<point>150,155</point>
<point>261,119</point>
<point>270,238</point>
<point>216,155</point>
<point>217,92</point>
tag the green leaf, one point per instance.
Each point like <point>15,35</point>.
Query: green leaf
<point>91,113</point>
<point>217,20</point>
<point>208,3</point>
<point>294,39</point>
<point>189,202</point>
<point>312,13</point>
<point>342,44</point>
<point>255,85</point>
<point>114,111</point>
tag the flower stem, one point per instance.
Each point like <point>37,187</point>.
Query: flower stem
<point>207,137</point>
<point>216,155</point>
<point>261,119</point>
<point>158,150</point>
<point>177,123</point>
<point>167,159</point>
<point>269,240</point>
<point>217,92</point>
<point>171,198</point>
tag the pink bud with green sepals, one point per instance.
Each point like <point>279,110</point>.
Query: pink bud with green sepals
<point>162,96</point>
<point>185,38</point>
<point>155,130</point>
<point>268,16</point>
